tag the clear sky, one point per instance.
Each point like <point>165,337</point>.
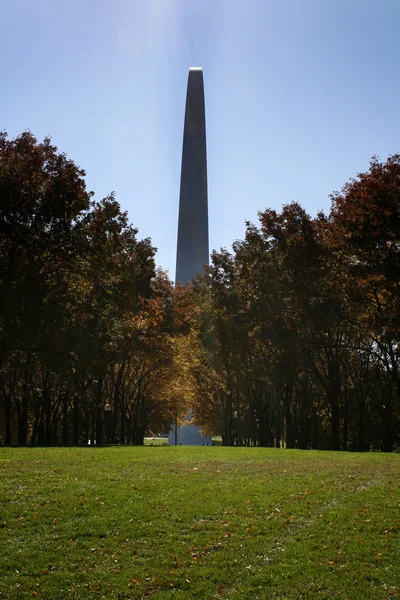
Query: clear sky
<point>299,95</point>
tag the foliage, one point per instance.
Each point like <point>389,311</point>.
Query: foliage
<point>290,340</point>
<point>84,315</point>
<point>302,320</point>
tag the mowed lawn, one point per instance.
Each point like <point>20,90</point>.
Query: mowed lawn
<point>198,522</point>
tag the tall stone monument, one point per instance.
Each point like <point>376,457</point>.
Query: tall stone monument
<point>192,250</point>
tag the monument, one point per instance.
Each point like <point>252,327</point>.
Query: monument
<point>192,249</point>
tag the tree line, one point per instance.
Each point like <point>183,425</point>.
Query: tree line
<point>85,317</point>
<point>290,340</point>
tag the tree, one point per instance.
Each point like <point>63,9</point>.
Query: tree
<point>84,319</point>
<point>366,234</point>
<point>43,200</point>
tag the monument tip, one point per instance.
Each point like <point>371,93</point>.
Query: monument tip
<point>196,69</point>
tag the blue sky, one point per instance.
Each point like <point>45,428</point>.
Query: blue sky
<point>299,95</point>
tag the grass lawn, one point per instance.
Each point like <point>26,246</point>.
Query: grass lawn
<point>198,522</point>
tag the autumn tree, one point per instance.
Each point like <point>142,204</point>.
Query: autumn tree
<point>80,305</point>
<point>43,199</point>
<point>366,234</point>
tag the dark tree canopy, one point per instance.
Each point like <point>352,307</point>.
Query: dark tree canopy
<point>290,340</point>
<point>81,317</point>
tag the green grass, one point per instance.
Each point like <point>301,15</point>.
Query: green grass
<point>203,522</point>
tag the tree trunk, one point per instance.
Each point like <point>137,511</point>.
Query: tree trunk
<point>122,430</point>
<point>278,426</point>
<point>40,431</point>
<point>316,430</point>
<point>139,432</point>
<point>287,406</point>
<point>345,420</point>
<point>129,430</point>
<point>305,415</point>
<point>388,439</point>
<point>116,415</point>
<point>54,433</point>
<point>361,424</point>
<point>227,433</point>
<point>23,427</point>
<point>99,426</point>
<point>335,417</point>
<point>7,414</point>
<point>93,428</point>
<point>48,432</point>
<point>98,412</point>
<point>35,428</point>
<point>75,422</point>
<point>65,432</point>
